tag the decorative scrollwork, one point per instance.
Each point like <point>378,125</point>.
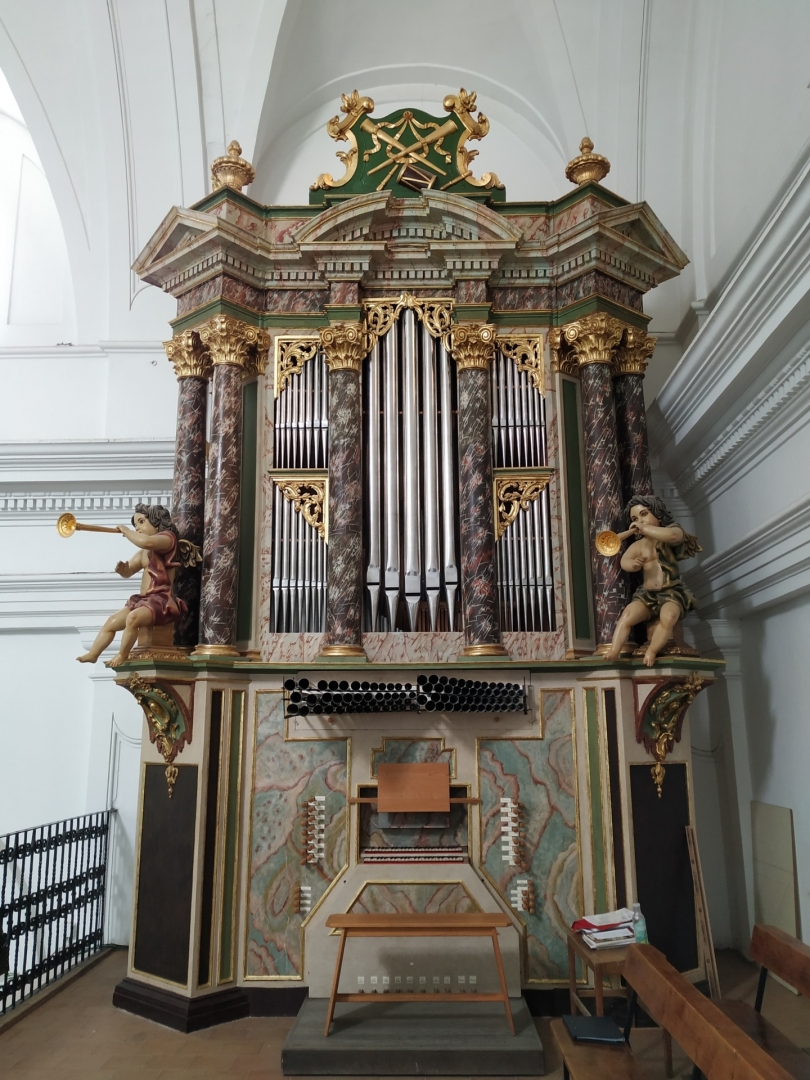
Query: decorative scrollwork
<point>660,719</point>
<point>514,493</point>
<point>473,345</point>
<point>309,498</point>
<point>291,355</point>
<point>436,312</point>
<point>353,106</point>
<point>168,720</point>
<point>526,351</point>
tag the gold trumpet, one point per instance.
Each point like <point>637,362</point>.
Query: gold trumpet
<point>609,542</point>
<point>67,525</point>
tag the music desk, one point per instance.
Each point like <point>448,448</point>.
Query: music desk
<point>476,924</point>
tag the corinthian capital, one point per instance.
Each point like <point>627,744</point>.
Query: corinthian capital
<point>591,340</point>
<point>634,353</point>
<point>473,345</point>
<point>189,356</point>
<point>344,346</point>
<point>230,341</point>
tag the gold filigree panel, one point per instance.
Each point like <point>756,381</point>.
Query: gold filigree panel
<point>514,490</point>
<point>291,355</point>
<point>526,351</point>
<point>436,312</point>
<point>309,494</point>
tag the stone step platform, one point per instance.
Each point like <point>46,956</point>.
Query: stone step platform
<point>408,1038</point>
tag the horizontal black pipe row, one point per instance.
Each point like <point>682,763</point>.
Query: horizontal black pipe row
<point>430,693</point>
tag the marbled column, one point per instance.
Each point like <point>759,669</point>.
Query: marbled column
<point>473,350</point>
<point>236,349</point>
<point>588,347</point>
<point>192,367</point>
<point>605,503</point>
<point>343,345</point>
<point>631,416</point>
<point>221,549</point>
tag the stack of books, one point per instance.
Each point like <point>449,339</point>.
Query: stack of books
<point>612,930</point>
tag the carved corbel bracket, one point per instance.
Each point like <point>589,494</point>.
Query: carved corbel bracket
<point>514,490</point>
<point>659,719</point>
<point>309,494</point>
<point>526,352</point>
<point>168,719</point>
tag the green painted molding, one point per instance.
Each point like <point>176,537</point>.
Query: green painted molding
<point>215,198</point>
<point>593,303</point>
<point>343,312</point>
<point>472,312</point>
<point>265,319</point>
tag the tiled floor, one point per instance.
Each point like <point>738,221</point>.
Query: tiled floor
<point>78,1035</point>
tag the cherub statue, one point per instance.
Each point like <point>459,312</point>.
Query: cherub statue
<point>661,544</point>
<point>160,553</point>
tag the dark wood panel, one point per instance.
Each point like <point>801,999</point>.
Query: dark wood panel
<point>210,846</point>
<point>614,774</point>
<point>165,872</point>
<point>663,873</point>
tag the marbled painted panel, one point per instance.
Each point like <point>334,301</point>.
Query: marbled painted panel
<point>539,774</point>
<point>631,432</point>
<point>282,230</point>
<point>238,215</point>
<point>344,292</point>
<point>281,301</point>
<point>344,602</point>
<point>471,292</point>
<point>596,284</point>
<point>188,498</point>
<point>384,898</point>
<point>221,286</point>
<point>221,548</point>
<point>412,751</point>
<point>605,506</point>
<point>478,565</point>
<point>395,648</point>
<point>286,774</point>
<point>523,298</point>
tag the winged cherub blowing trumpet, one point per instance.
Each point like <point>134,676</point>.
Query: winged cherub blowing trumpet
<point>660,545</point>
<point>160,553</point>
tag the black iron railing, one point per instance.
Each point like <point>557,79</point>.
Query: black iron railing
<point>52,885</point>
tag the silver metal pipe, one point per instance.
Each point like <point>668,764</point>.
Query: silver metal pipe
<point>503,405</point>
<point>308,433</point>
<point>531,559</point>
<point>523,561</point>
<point>285,565</point>
<point>410,466</point>
<point>373,481</point>
<point>391,478</point>
<point>298,550</point>
<point>433,576</point>
<point>281,405</point>
<point>324,410</point>
<point>276,557</point>
<point>510,411</point>
<point>309,584</point>
<point>548,567</point>
<point>528,459</point>
<point>448,487</point>
<point>541,434</point>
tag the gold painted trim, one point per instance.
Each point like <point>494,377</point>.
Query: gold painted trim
<point>341,130</point>
<point>343,650</point>
<point>428,738</point>
<point>435,312</point>
<point>514,490</point>
<point>316,738</point>
<point>216,650</point>
<point>493,649</point>
<point>308,491</point>
<point>292,351</point>
<point>527,352</point>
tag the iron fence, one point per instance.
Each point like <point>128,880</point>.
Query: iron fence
<point>52,887</point>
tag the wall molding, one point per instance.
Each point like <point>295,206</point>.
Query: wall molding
<point>98,459</point>
<point>780,407</point>
<point>98,508</point>
<point>765,567</point>
<point>60,601</point>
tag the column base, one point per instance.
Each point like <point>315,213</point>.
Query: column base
<point>179,1012</point>
<point>491,649</point>
<point>216,650</point>
<point>335,652</point>
<point>626,650</point>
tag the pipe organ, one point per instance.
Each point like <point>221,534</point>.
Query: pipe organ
<point>432,383</point>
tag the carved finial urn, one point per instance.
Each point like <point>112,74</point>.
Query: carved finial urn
<point>232,170</point>
<point>588,166</point>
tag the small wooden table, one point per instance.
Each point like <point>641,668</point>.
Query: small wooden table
<point>476,924</point>
<point>603,963</point>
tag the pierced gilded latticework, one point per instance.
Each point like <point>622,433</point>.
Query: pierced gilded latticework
<point>291,355</point>
<point>515,493</point>
<point>309,498</point>
<point>526,351</point>
<point>435,312</point>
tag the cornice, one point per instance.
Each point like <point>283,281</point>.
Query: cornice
<point>59,601</point>
<point>769,288</point>
<point>765,567</point>
<point>108,507</point>
<point>765,423</point>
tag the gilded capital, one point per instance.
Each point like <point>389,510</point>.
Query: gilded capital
<point>592,340</point>
<point>344,346</point>
<point>634,353</point>
<point>230,341</point>
<point>191,359</point>
<point>473,345</point>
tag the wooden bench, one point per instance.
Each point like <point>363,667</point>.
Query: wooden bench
<point>709,1038</point>
<point>788,958</point>
<point>476,924</point>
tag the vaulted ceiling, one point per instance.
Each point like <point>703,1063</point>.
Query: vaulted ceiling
<point>702,106</point>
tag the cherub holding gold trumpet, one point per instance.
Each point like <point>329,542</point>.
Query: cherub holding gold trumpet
<point>660,545</point>
<point>160,553</point>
